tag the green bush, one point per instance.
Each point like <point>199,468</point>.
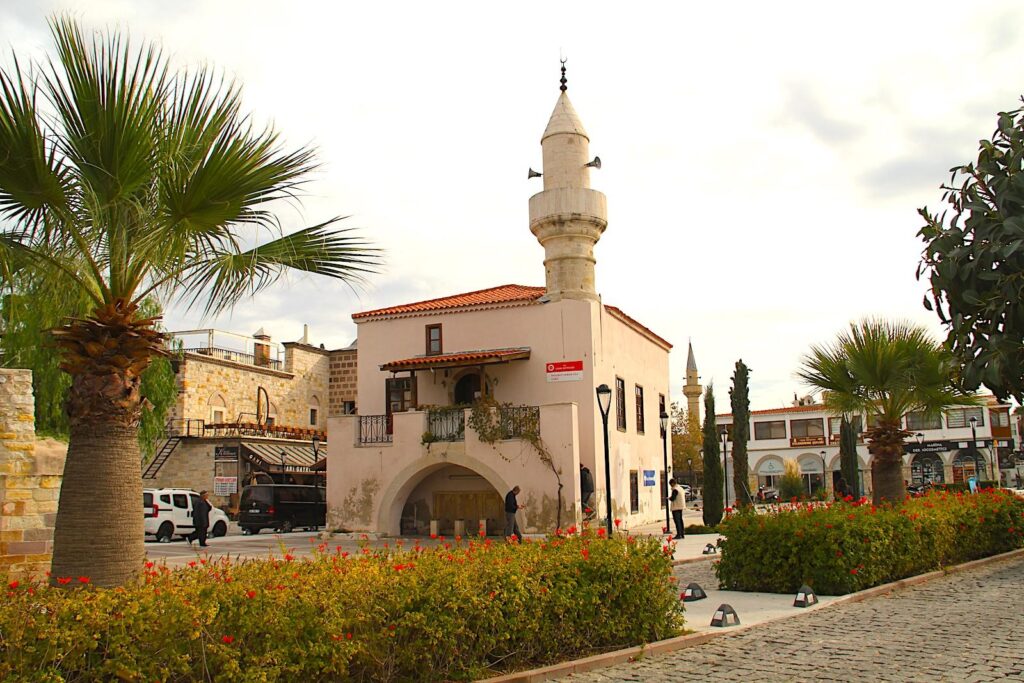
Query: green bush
<point>845,547</point>
<point>455,612</point>
<point>701,529</point>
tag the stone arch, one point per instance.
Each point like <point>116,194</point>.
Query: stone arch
<point>217,409</point>
<point>393,497</point>
<point>764,461</point>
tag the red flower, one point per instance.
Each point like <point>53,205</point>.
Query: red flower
<point>12,585</point>
<point>227,640</point>
<point>482,533</point>
<point>344,555</point>
<point>585,553</point>
<point>192,563</point>
<point>587,510</point>
<point>493,594</point>
<point>63,580</point>
<point>83,579</point>
<point>348,636</point>
<point>853,571</point>
<point>458,539</point>
<point>617,523</point>
<point>149,565</point>
<point>602,532</point>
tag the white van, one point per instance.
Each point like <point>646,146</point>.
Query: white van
<point>168,513</point>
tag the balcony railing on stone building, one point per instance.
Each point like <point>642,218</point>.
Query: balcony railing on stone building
<point>236,356</point>
<point>374,429</point>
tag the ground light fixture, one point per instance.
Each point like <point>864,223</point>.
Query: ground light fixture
<point>805,597</point>
<point>724,616</point>
<point>709,550</point>
<point>664,456</point>
<point>692,593</point>
<point>604,402</point>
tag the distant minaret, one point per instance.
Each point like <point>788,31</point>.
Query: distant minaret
<point>692,389</point>
<point>568,217</point>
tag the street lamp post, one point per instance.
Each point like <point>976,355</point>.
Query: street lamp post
<point>689,466</point>
<point>824,481</point>
<point>282,465</point>
<point>664,455</point>
<point>604,401</point>
<point>725,464</point>
<point>315,443</point>
<point>974,444</point>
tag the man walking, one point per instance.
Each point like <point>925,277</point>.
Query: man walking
<point>677,503</point>
<point>586,491</point>
<point>200,519</point>
<point>511,507</point>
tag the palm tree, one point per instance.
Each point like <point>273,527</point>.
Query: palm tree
<point>126,181</point>
<point>885,369</point>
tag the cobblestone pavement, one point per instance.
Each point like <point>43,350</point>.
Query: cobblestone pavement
<point>966,627</point>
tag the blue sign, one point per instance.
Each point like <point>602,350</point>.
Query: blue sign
<point>649,477</point>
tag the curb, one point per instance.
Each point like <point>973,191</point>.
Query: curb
<point>682,642</point>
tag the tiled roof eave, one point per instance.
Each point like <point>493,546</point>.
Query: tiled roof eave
<point>457,360</point>
<point>472,308</point>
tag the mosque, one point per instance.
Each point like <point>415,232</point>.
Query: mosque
<point>419,458</point>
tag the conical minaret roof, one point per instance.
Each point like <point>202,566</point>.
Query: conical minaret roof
<point>691,362</point>
<point>564,119</point>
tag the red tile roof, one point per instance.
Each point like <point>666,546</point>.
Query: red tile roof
<point>504,294</point>
<point>778,411</point>
<point>638,326</point>
<point>458,359</point>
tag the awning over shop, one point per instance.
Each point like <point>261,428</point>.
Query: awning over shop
<point>267,455</point>
<point>460,359</point>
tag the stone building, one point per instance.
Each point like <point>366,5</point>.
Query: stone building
<point>247,405</point>
<point>30,480</point>
<point>412,458</point>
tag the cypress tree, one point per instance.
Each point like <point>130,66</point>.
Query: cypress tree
<point>739,396</point>
<point>849,464</point>
<point>713,476</point>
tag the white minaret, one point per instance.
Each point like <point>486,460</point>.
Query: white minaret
<point>568,217</point>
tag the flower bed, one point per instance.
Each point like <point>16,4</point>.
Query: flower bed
<point>845,547</point>
<point>458,611</point>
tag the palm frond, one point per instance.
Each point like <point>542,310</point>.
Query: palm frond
<point>223,278</point>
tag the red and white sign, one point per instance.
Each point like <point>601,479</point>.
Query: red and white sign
<point>565,371</point>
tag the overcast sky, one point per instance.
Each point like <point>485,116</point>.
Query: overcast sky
<point>763,162</point>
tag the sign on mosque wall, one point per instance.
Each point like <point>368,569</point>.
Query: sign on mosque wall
<point>649,476</point>
<point>564,371</point>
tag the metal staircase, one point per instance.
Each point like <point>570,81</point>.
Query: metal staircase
<point>161,457</point>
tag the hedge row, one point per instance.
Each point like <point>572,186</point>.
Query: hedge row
<point>848,546</point>
<point>458,611</point>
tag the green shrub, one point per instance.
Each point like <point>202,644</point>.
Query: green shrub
<point>456,612</point>
<point>701,529</point>
<point>791,484</point>
<point>845,547</point>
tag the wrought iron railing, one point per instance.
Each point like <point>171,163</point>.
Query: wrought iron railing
<point>374,429</point>
<point>236,356</point>
<point>517,421</point>
<point>447,424</point>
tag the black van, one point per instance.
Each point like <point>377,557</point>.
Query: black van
<point>282,507</point>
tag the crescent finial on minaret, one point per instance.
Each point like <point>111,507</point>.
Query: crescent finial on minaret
<point>563,81</point>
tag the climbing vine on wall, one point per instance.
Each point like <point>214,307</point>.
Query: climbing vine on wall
<point>493,422</point>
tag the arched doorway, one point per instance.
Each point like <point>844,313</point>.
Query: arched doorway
<point>926,468</point>
<point>812,473</point>
<point>769,471</point>
<point>451,493</point>
<point>968,464</point>
<point>467,389</point>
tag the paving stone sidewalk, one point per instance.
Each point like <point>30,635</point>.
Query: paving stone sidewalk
<point>966,627</point>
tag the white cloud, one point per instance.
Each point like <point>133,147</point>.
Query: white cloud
<point>763,162</point>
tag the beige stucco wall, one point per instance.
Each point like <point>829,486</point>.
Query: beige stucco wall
<point>29,482</point>
<point>367,486</point>
<point>291,392</point>
<point>559,331</point>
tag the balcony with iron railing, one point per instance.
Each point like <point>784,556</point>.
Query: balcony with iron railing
<point>448,424</point>
<point>229,346</point>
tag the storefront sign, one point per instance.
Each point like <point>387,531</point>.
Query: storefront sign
<point>649,476</point>
<point>564,371</point>
<point>225,453</point>
<point>807,441</point>
<point>225,486</point>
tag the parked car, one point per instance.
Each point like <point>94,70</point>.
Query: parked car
<point>168,513</point>
<point>282,507</point>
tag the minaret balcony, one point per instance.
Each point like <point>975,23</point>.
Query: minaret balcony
<point>569,203</point>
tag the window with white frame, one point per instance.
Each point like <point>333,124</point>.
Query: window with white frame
<point>961,417</point>
<point>921,421</point>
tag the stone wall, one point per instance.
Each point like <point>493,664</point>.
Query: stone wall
<point>29,482</point>
<point>344,366</point>
<point>205,382</point>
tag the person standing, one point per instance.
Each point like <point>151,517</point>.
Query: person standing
<point>512,506</point>
<point>586,491</point>
<point>677,503</point>
<point>200,519</point>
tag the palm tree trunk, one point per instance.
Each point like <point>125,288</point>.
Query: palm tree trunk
<point>99,529</point>
<point>885,443</point>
